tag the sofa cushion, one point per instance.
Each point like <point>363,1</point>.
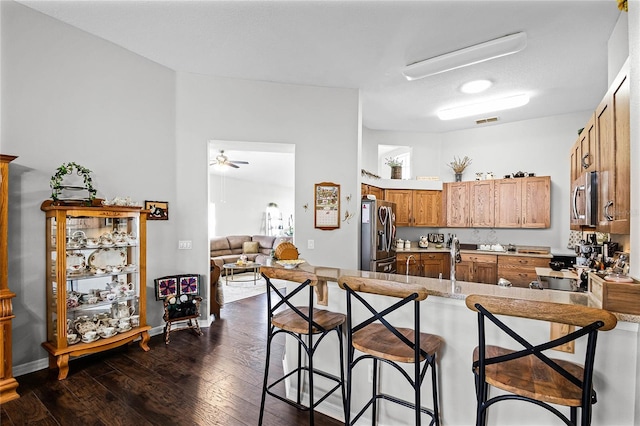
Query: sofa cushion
<point>219,246</point>
<point>250,247</point>
<point>236,241</point>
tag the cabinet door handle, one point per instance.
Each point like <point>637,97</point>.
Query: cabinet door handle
<point>606,214</point>
<point>585,165</point>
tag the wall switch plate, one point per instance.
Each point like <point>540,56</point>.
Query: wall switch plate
<point>184,245</point>
<point>311,244</point>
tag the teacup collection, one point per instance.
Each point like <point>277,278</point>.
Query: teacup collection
<point>79,240</point>
<point>103,325</point>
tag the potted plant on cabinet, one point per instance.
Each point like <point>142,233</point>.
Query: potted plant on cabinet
<point>396,167</point>
<point>458,165</point>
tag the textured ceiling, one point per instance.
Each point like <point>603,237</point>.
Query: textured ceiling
<point>365,44</point>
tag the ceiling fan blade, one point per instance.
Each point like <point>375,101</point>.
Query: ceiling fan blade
<point>230,164</point>
<point>238,162</point>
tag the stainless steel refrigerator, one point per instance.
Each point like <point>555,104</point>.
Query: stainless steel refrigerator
<point>377,236</point>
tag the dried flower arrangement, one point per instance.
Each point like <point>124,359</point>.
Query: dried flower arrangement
<point>393,162</point>
<point>458,165</point>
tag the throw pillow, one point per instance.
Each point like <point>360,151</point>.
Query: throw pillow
<point>249,247</point>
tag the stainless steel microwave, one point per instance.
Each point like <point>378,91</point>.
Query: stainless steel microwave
<point>584,200</point>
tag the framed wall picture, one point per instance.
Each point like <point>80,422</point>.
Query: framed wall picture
<point>158,210</point>
<point>177,285</point>
<point>166,286</point>
<point>327,205</point>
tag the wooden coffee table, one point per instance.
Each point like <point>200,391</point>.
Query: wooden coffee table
<point>232,267</point>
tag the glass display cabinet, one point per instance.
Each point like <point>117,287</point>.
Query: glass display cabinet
<point>95,280</point>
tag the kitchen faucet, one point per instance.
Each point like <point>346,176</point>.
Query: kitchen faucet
<point>454,257</point>
<point>408,259</point>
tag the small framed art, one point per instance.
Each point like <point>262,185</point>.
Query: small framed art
<point>158,210</point>
<point>177,285</point>
<point>327,205</point>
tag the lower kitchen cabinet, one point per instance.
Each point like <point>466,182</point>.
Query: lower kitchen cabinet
<point>429,265</point>
<point>434,264</point>
<point>520,270</point>
<point>478,268</point>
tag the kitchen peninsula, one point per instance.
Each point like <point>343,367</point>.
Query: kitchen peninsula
<point>444,313</point>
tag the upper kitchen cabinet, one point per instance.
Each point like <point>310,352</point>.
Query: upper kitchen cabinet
<point>523,202</point>
<point>584,153</point>
<point>500,203</point>
<point>457,202</point>
<point>416,207</point>
<point>470,204</point>
<point>612,124</point>
<point>367,189</point>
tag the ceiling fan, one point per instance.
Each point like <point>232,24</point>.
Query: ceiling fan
<point>223,160</point>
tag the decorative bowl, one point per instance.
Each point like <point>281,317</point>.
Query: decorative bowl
<point>556,266</point>
<point>290,264</point>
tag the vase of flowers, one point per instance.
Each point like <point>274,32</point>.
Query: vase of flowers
<point>396,167</point>
<point>458,165</point>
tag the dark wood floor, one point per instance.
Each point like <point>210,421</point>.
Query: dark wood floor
<point>215,379</point>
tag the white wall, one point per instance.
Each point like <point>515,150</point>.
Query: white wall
<point>323,123</point>
<point>69,96</point>
<point>240,208</point>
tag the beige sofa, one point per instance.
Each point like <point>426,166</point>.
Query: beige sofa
<point>229,249</point>
<point>257,248</point>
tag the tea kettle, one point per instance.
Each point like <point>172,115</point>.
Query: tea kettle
<point>423,242</point>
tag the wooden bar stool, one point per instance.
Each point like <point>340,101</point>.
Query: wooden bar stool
<point>297,322</point>
<point>529,374</point>
<point>380,341</point>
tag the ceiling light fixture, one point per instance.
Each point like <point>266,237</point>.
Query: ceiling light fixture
<point>468,56</point>
<point>475,86</point>
<point>491,105</point>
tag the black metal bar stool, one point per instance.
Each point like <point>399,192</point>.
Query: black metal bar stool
<point>528,374</point>
<point>297,322</point>
<point>382,342</point>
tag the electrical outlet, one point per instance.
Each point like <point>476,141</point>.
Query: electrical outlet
<point>184,245</point>
<point>311,244</point>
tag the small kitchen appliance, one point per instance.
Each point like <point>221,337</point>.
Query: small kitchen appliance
<point>584,200</point>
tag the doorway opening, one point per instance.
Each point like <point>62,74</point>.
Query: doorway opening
<point>242,198</point>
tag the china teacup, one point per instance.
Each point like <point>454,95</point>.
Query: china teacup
<point>129,293</point>
<point>113,322</point>
<point>135,320</point>
<point>93,299</point>
<point>71,338</point>
<point>108,331</point>
<point>111,297</point>
<point>104,294</point>
<point>89,336</point>
<point>92,242</point>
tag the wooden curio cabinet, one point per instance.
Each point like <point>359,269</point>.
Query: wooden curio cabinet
<point>8,383</point>
<point>95,280</point>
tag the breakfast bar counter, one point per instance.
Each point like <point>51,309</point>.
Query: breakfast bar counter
<point>616,374</point>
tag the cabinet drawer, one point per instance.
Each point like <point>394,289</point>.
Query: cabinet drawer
<point>523,262</point>
<point>518,278</point>
<point>479,258</point>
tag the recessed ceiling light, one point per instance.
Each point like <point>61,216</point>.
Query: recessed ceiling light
<point>475,54</point>
<point>491,105</point>
<point>475,86</point>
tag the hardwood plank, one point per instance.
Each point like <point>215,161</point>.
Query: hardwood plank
<point>214,379</point>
